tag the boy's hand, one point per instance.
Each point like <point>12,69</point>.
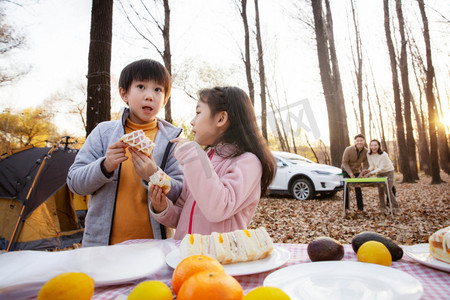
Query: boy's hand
<point>143,165</point>
<point>115,155</point>
<point>157,198</point>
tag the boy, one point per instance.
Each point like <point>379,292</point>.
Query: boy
<point>115,178</point>
<point>352,159</point>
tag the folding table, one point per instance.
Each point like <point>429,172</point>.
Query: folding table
<point>367,182</point>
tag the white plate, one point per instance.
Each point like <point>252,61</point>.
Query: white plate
<point>22,273</point>
<point>344,280</point>
<point>421,254</point>
<point>277,258</point>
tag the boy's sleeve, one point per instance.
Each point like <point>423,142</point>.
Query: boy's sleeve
<point>175,173</point>
<point>85,175</point>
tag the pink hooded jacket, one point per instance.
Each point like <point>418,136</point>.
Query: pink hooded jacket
<point>219,194</point>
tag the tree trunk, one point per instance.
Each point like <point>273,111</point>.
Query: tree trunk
<point>424,155</point>
<point>410,142</point>
<point>283,142</point>
<point>337,119</point>
<point>336,76</point>
<point>422,145</point>
<point>384,145</point>
<point>167,56</point>
<point>262,74</point>
<point>403,159</point>
<point>247,62</point>
<point>444,152</point>
<point>164,28</point>
<point>99,65</point>
<point>432,115</point>
<point>358,71</point>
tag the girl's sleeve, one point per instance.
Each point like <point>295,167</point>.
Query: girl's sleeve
<point>85,175</point>
<point>219,198</point>
<point>171,215</point>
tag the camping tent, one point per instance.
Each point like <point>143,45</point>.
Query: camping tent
<point>36,207</point>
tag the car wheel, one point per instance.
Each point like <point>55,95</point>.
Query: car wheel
<point>302,189</point>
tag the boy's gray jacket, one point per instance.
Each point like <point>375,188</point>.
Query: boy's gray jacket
<point>86,178</point>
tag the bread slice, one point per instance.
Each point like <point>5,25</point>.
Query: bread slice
<point>216,241</point>
<point>247,248</point>
<point>191,244</point>
<point>207,246</point>
<point>265,242</point>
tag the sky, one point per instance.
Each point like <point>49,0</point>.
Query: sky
<point>204,33</point>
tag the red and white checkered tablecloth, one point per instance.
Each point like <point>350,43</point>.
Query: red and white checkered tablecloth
<point>436,284</point>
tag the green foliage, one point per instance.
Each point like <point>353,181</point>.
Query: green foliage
<point>30,126</point>
<point>187,130</point>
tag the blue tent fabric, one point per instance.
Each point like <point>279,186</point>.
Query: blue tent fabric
<point>47,169</point>
<point>18,171</point>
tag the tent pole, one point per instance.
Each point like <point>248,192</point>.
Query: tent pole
<point>16,231</point>
<point>19,218</point>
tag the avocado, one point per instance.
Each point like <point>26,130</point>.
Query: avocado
<point>361,238</point>
<point>325,248</point>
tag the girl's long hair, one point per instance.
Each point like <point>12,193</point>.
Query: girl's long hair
<point>243,130</point>
<point>379,147</point>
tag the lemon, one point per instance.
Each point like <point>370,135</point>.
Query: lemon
<point>374,252</point>
<point>151,289</point>
<point>266,293</point>
<point>69,285</point>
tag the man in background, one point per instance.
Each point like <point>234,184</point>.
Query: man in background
<point>354,161</point>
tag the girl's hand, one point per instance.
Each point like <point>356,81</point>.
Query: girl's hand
<point>115,155</point>
<point>180,141</point>
<point>157,198</point>
<point>143,165</point>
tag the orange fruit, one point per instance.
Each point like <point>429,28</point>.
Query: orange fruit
<point>69,285</point>
<point>266,293</point>
<point>374,252</point>
<point>210,285</point>
<point>151,289</point>
<point>191,265</point>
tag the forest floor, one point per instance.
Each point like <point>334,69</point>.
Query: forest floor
<point>424,209</point>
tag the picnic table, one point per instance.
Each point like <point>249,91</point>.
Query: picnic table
<point>435,283</point>
<point>367,182</point>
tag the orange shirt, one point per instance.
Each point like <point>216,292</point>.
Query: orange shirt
<point>131,216</point>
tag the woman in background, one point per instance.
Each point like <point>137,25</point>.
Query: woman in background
<point>381,166</point>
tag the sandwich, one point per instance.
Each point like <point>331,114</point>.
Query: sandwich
<point>229,247</point>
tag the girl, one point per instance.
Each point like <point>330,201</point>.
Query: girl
<point>223,183</point>
<point>381,166</point>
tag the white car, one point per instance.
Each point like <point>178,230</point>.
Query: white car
<point>303,178</point>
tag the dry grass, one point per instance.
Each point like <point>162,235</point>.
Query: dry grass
<point>425,209</point>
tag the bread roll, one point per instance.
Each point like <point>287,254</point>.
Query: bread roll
<point>440,244</point>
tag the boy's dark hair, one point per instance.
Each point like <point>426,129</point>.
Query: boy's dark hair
<point>379,147</point>
<point>146,69</point>
<point>243,130</point>
<point>360,136</point>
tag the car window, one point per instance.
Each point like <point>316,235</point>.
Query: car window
<point>297,160</point>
